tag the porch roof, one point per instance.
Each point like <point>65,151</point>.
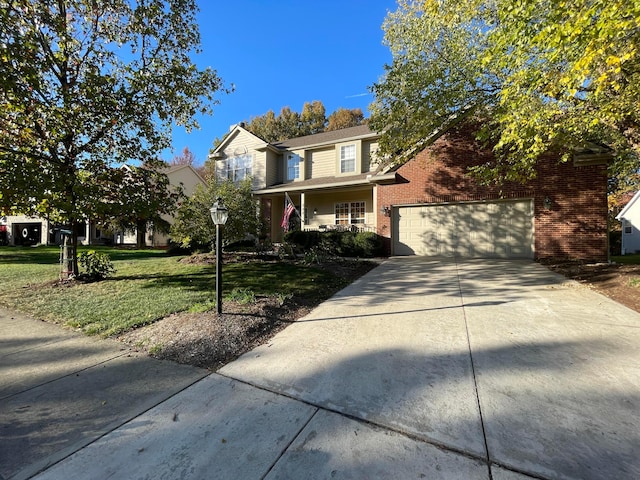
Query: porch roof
<point>363,179</point>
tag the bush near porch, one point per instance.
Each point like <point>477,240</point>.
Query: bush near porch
<point>338,243</point>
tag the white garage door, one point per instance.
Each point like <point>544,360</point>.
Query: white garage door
<point>499,229</point>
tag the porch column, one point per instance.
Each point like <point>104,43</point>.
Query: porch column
<point>303,210</point>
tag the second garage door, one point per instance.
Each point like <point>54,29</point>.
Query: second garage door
<point>498,229</point>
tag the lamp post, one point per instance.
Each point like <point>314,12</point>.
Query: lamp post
<point>219,215</point>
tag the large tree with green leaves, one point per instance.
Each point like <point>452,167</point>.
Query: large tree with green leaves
<point>193,226</point>
<point>345,118</point>
<point>538,73</point>
<point>86,85</point>
<point>313,118</point>
<point>290,124</point>
<point>144,200</point>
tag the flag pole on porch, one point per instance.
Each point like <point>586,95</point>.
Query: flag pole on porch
<point>289,208</point>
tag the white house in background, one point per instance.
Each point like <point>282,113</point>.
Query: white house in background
<point>25,230</point>
<point>630,218</point>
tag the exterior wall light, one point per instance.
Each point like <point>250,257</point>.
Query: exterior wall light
<point>546,203</point>
<point>219,215</point>
<point>386,210</point>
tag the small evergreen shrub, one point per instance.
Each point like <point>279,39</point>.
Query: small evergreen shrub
<point>302,239</point>
<point>247,245</point>
<point>368,244</point>
<point>97,265</point>
<point>318,245</point>
<point>174,249</point>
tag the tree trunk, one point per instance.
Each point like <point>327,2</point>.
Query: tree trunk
<point>141,233</point>
<point>74,246</point>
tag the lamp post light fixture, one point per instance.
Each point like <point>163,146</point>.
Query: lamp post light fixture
<point>219,215</point>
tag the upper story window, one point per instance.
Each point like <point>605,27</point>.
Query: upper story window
<point>236,168</point>
<point>293,166</point>
<point>347,158</point>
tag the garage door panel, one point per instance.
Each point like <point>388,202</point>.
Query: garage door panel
<point>499,229</point>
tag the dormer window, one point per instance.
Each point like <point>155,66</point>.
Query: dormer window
<point>347,159</point>
<point>293,166</point>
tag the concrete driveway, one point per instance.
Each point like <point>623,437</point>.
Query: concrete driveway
<point>423,368</point>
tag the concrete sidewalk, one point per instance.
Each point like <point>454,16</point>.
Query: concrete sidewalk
<point>421,369</point>
<point>60,391</point>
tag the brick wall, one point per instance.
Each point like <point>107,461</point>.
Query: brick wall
<point>575,227</point>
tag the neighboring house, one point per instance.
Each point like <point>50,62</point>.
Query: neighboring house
<point>428,206</point>
<point>178,175</point>
<point>24,230</point>
<point>630,219</point>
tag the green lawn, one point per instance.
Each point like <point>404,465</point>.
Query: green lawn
<point>148,285</point>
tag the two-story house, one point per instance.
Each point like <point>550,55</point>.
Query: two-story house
<point>429,205</point>
<point>329,177</point>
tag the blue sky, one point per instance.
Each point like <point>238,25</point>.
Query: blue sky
<point>284,53</point>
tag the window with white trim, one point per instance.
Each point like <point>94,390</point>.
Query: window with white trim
<point>236,168</point>
<point>627,226</point>
<point>349,213</point>
<point>293,166</point>
<point>347,158</point>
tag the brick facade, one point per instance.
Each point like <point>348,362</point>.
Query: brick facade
<point>574,227</point>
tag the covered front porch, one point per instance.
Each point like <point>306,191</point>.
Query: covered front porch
<point>341,209</point>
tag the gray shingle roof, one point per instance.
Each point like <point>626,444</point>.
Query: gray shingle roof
<point>326,137</point>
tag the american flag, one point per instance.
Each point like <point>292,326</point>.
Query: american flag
<point>289,208</point>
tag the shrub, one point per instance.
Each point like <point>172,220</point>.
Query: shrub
<point>368,244</point>
<point>302,239</point>
<point>247,245</point>
<point>97,265</point>
<point>174,249</point>
<point>332,242</point>
<point>355,244</point>
<point>315,245</point>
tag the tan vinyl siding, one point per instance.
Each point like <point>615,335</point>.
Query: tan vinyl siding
<point>259,172</point>
<point>185,177</point>
<point>274,170</point>
<point>244,143</point>
<point>369,160</point>
<point>241,143</point>
<point>322,163</point>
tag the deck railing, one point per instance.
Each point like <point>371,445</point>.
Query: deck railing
<point>355,227</point>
